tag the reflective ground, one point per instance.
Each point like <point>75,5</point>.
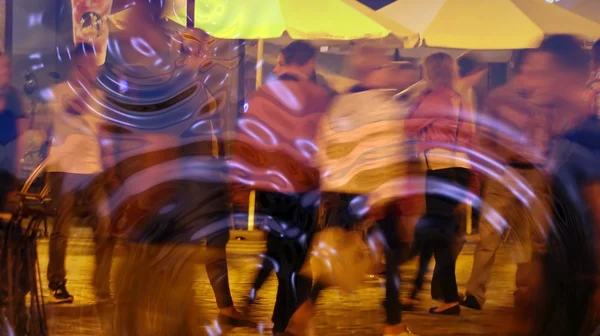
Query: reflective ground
<point>339,313</point>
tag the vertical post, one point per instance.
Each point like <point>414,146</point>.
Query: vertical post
<point>259,75</point>
<point>8,26</point>
<point>251,209</point>
<point>469,226</point>
<point>190,13</point>
<point>260,54</point>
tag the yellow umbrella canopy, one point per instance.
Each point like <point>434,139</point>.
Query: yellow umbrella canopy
<point>329,20</point>
<point>488,24</point>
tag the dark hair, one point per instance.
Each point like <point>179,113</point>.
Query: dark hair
<point>518,59</point>
<point>82,50</point>
<point>567,50</point>
<point>298,53</point>
<point>468,64</point>
<point>404,65</point>
<point>596,53</point>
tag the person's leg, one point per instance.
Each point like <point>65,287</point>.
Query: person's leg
<point>63,194</point>
<point>105,241</point>
<point>288,245</point>
<point>266,268</point>
<point>294,288</point>
<point>216,268</point>
<point>530,229</point>
<point>441,217</point>
<point>446,273</point>
<point>424,260</point>
<point>497,198</point>
<point>392,252</point>
<point>457,244</point>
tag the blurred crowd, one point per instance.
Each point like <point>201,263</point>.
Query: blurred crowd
<point>351,184</point>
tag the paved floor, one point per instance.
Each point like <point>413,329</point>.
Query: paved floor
<point>339,313</point>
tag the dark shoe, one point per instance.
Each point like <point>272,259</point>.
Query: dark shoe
<point>235,322</point>
<point>61,295</point>
<point>251,299</point>
<point>470,301</point>
<point>409,304</point>
<point>450,311</point>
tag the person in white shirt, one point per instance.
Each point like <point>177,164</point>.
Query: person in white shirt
<point>73,165</point>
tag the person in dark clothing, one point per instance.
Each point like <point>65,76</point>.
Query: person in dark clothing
<point>170,198</point>
<point>15,282</point>
<point>273,150</point>
<point>441,125</point>
<point>566,272</point>
<point>10,117</point>
<point>470,71</point>
<point>570,268</point>
<point>11,112</point>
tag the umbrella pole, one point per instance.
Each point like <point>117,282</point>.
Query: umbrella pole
<point>259,75</point>
<point>190,14</point>
<point>260,54</point>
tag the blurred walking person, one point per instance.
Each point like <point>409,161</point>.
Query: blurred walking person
<point>357,186</point>
<point>273,154</point>
<point>567,300</point>
<point>470,72</point>
<point>171,200</point>
<point>516,131</point>
<point>281,69</point>
<point>443,131</point>
<point>74,165</point>
<point>15,284</point>
<point>11,127</point>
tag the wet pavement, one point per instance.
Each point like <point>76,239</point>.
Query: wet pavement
<point>338,313</point>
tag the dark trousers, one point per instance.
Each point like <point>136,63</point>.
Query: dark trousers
<point>436,230</point>
<point>216,268</point>
<point>288,240</point>
<point>425,255</point>
<point>69,193</point>
<point>393,252</point>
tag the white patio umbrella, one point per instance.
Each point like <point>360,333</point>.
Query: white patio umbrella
<point>488,24</point>
<point>589,9</point>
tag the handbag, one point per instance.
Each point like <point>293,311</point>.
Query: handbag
<point>339,257</point>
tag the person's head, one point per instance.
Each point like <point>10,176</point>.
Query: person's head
<point>547,72</point>
<point>518,59</point>
<point>403,75</point>
<point>83,58</point>
<point>470,70</point>
<point>298,56</point>
<point>440,71</point>
<point>596,55</point>
<point>371,67</point>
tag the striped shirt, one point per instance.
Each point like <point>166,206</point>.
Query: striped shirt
<point>362,149</point>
